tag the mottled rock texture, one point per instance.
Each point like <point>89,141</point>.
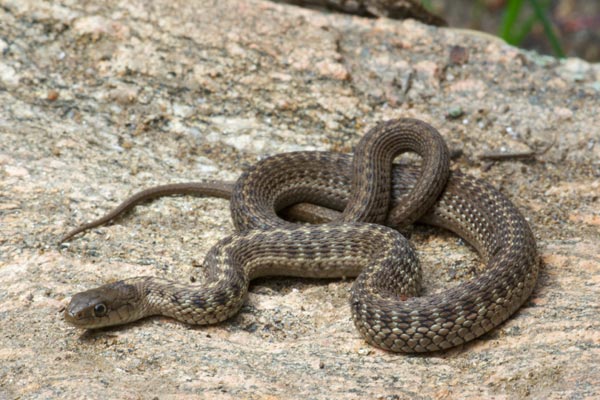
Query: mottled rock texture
<point>99,99</point>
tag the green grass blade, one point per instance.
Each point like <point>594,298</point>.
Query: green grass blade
<point>548,28</point>
<point>528,25</point>
<point>426,4</point>
<point>513,8</point>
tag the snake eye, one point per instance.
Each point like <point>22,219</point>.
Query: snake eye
<point>100,310</point>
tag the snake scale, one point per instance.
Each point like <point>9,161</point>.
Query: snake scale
<point>358,195</point>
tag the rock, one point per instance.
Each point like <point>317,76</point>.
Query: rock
<point>158,92</point>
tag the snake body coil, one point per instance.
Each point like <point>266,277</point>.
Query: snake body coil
<point>368,190</point>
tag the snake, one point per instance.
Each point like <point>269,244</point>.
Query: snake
<point>356,207</point>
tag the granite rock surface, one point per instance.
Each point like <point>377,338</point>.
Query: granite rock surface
<point>101,99</point>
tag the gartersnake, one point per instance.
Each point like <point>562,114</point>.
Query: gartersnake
<point>385,304</point>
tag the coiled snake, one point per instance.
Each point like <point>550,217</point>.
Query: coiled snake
<point>369,190</point>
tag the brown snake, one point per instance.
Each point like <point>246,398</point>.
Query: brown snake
<point>385,304</point>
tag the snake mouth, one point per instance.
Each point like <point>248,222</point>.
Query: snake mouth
<point>77,319</point>
<point>83,320</point>
<point>85,311</point>
<point>110,304</point>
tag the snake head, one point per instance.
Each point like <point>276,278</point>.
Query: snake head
<point>111,304</point>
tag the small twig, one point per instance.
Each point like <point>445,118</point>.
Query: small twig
<point>499,156</point>
<point>516,156</point>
